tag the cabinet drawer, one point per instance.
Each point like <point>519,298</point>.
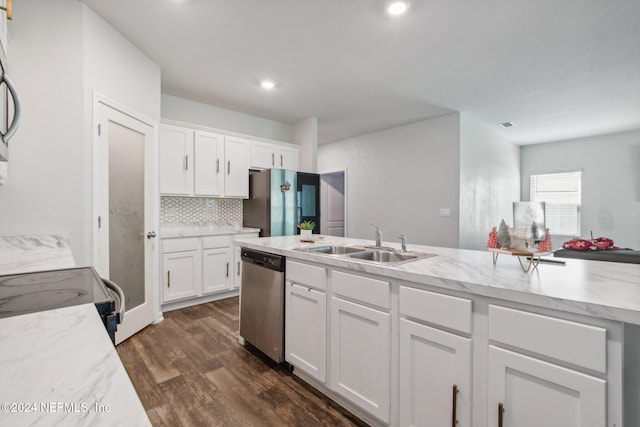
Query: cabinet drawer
<point>216,242</point>
<point>306,274</point>
<point>180,245</point>
<point>444,310</point>
<point>576,343</point>
<point>364,289</point>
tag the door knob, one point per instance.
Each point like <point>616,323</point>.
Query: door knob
<point>151,235</point>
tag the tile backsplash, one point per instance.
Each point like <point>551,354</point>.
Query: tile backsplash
<point>199,209</point>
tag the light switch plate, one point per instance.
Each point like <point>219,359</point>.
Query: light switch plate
<point>445,212</point>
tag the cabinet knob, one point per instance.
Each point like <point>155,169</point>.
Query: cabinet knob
<point>151,235</point>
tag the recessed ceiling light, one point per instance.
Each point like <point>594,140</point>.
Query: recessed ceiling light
<point>267,84</point>
<point>397,7</point>
<point>507,124</point>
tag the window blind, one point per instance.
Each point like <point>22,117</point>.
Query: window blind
<point>561,193</point>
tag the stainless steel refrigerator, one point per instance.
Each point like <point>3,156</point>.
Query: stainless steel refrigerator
<point>280,199</point>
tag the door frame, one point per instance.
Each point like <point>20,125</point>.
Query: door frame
<point>346,192</point>
<point>154,245</point>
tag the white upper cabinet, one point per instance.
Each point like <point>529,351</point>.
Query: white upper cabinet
<point>265,155</point>
<point>208,164</point>
<point>176,160</point>
<point>237,152</point>
<point>199,163</point>
<point>288,157</point>
<point>262,155</point>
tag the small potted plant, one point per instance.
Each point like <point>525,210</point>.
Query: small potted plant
<point>305,229</point>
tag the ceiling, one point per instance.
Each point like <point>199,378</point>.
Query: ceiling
<point>557,69</point>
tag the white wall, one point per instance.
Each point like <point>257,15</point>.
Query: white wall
<point>46,191</point>
<point>117,69</point>
<point>185,110</point>
<point>489,182</point>
<point>305,134</point>
<point>399,178</point>
<point>59,53</point>
<point>135,87</point>
<point>610,166</point>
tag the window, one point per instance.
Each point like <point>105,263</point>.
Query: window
<point>561,193</point>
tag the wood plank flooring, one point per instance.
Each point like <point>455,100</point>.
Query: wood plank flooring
<point>190,370</point>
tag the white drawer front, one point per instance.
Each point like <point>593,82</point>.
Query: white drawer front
<point>576,343</point>
<point>306,274</point>
<point>180,245</point>
<point>212,242</point>
<point>444,310</point>
<point>364,289</point>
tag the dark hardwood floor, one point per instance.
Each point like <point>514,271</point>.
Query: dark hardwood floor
<point>190,370</point>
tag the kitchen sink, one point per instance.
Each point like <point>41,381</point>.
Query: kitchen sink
<point>374,255</point>
<point>387,257</point>
<point>333,250</point>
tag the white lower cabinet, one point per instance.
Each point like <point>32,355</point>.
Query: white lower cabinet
<point>237,267</point>
<point>527,392</point>
<point>306,329</point>
<point>180,275</point>
<point>196,267</point>
<point>528,384</point>
<point>216,276</point>
<point>360,356</point>
<point>456,360</point>
<point>435,377</point>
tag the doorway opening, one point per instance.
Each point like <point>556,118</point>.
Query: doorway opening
<point>333,203</point>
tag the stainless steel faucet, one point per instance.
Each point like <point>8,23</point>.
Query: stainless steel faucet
<point>378,234</point>
<point>403,240</point>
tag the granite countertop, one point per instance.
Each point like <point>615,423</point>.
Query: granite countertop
<point>59,367</point>
<point>20,254</point>
<point>593,288</point>
<point>196,229</point>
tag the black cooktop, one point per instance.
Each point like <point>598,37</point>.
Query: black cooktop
<point>45,290</point>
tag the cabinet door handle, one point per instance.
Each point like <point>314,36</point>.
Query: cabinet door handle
<point>500,412</point>
<point>217,165</point>
<point>227,269</point>
<point>168,278</point>
<point>281,163</point>
<point>238,268</point>
<point>273,159</point>
<point>228,167</point>
<point>186,162</point>
<point>454,416</point>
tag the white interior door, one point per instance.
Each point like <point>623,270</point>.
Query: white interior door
<point>333,204</point>
<point>126,193</point>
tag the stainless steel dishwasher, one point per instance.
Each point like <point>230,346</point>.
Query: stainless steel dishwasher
<point>262,302</point>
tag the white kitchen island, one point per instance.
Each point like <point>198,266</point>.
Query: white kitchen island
<point>59,368</point>
<point>453,340</point>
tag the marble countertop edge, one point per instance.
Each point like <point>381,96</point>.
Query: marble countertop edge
<point>172,234</point>
<point>592,288</point>
<point>64,357</point>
